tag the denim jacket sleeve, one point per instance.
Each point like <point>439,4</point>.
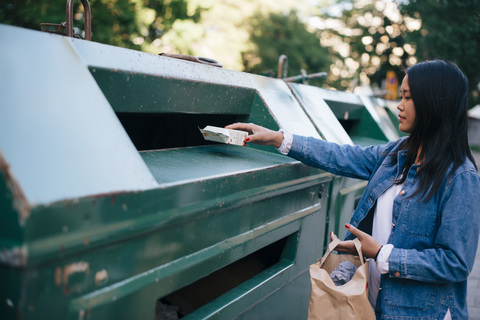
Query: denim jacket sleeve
<point>345,160</point>
<point>452,255</point>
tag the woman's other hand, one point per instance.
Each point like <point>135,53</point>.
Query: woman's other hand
<point>344,246</point>
<point>370,246</point>
<point>259,134</point>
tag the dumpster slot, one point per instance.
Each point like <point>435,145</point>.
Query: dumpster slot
<point>165,131</point>
<point>192,297</point>
<point>349,115</point>
<point>357,122</point>
<point>161,112</point>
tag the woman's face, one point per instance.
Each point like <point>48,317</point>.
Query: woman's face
<point>406,108</point>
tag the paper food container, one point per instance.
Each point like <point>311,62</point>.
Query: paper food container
<point>223,135</point>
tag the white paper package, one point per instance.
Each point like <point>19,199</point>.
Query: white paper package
<point>223,135</point>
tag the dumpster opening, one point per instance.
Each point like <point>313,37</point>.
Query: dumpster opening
<point>171,130</point>
<point>190,298</point>
<point>357,122</point>
<point>160,112</point>
<point>349,115</point>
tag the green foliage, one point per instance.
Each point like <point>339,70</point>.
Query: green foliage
<point>379,37</point>
<point>30,13</point>
<point>367,39</point>
<point>223,30</point>
<point>217,34</point>
<point>278,34</point>
<point>130,24</point>
<point>113,23</point>
<point>450,30</point>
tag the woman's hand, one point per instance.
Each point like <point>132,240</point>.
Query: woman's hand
<point>344,246</point>
<point>370,246</point>
<point>259,134</point>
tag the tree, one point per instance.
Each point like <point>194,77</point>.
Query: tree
<point>450,30</point>
<point>223,30</point>
<point>367,39</point>
<point>278,34</point>
<point>370,37</point>
<point>133,24</point>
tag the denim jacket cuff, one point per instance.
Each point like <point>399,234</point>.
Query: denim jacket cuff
<point>297,149</point>
<point>397,263</point>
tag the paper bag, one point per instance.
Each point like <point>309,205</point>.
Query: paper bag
<point>345,302</point>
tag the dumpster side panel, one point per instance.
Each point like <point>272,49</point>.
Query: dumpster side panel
<point>61,134</point>
<point>104,253</point>
<point>13,253</point>
<point>381,117</point>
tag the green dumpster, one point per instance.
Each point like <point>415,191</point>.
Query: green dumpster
<point>113,206</point>
<point>365,121</point>
<point>390,107</point>
<point>344,192</point>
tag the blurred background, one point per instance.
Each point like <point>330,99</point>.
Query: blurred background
<point>360,44</point>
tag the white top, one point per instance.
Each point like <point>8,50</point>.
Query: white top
<point>381,229</point>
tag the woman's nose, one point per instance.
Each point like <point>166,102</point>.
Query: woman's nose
<point>400,107</point>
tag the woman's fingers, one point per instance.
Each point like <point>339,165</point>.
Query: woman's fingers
<point>346,247</point>
<point>358,233</point>
<point>242,126</point>
<point>259,134</point>
<point>343,246</point>
<point>333,236</point>
<point>370,246</point>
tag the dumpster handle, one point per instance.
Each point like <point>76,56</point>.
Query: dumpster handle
<point>87,20</point>
<point>282,66</point>
<point>304,77</point>
<point>201,60</point>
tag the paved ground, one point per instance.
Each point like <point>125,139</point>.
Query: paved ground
<point>473,293</point>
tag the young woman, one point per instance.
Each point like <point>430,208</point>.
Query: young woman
<point>419,217</point>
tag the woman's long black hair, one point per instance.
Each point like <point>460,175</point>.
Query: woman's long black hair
<point>439,91</point>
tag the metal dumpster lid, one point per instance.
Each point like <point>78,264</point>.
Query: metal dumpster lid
<point>60,141</point>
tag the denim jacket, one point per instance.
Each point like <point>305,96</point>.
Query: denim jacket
<point>435,242</point>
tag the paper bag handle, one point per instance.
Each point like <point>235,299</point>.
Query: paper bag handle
<point>334,244</point>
